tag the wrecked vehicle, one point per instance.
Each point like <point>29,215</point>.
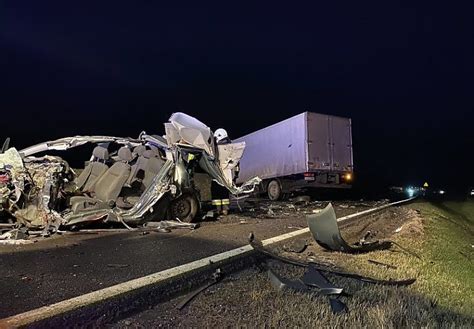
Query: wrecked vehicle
<point>148,178</point>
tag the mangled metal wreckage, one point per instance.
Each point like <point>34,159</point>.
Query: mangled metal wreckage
<point>148,178</point>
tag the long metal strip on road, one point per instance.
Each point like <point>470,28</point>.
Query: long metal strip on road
<point>76,303</point>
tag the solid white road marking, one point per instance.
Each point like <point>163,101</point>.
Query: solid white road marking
<point>62,307</point>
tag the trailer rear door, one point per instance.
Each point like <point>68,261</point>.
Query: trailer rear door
<point>341,143</point>
<point>319,152</point>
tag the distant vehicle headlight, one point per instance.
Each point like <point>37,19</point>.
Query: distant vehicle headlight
<point>441,191</point>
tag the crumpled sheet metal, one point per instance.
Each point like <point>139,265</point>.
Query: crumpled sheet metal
<point>282,284</point>
<point>216,173</point>
<point>33,178</point>
<point>11,158</point>
<point>71,142</point>
<point>170,224</point>
<point>182,131</point>
<point>189,130</point>
<point>325,231</point>
<point>12,163</point>
<point>229,157</point>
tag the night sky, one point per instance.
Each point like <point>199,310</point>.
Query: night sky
<point>403,71</point>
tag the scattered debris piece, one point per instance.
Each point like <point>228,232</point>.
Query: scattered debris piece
<point>118,265</point>
<point>325,231</point>
<point>283,284</point>
<point>364,239</point>
<point>301,200</point>
<point>398,229</point>
<point>257,245</point>
<point>314,278</point>
<point>216,277</point>
<point>211,214</point>
<point>382,264</point>
<point>16,242</point>
<point>170,224</point>
<point>337,306</point>
<point>296,246</point>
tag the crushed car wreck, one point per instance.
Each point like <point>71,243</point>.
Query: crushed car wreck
<point>148,179</point>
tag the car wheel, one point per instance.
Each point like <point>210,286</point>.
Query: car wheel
<point>185,208</point>
<point>274,190</point>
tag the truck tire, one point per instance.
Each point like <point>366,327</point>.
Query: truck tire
<point>185,208</point>
<point>274,191</point>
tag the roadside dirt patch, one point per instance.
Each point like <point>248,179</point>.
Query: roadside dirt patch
<point>383,225</point>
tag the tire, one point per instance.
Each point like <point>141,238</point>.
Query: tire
<point>274,191</point>
<point>185,208</point>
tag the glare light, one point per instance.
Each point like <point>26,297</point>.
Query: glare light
<point>441,192</point>
<point>472,192</point>
<point>410,192</point>
<point>348,176</point>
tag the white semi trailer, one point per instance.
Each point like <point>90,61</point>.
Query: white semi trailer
<point>305,151</point>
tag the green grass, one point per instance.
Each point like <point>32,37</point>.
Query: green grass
<point>448,272</point>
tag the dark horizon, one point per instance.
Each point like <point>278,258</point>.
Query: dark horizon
<point>403,72</point>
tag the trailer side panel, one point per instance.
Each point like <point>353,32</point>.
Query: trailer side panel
<point>275,151</point>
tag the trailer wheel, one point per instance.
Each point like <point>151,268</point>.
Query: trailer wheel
<point>184,208</point>
<point>274,190</point>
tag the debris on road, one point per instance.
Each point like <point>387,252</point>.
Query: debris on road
<point>14,237</point>
<point>170,224</point>
<point>118,265</point>
<point>325,231</point>
<point>257,245</point>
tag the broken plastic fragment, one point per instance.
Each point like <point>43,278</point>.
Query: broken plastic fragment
<point>337,306</point>
<point>325,231</point>
<point>314,278</point>
<point>282,284</point>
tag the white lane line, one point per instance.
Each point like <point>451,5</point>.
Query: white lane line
<point>62,307</point>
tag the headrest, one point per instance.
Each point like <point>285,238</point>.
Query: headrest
<point>148,154</point>
<point>125,154</point>
<point>138,150</point>
<point>100,153</point>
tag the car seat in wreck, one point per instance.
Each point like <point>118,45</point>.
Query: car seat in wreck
<point>94,170</point>
<point>108,186</point>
